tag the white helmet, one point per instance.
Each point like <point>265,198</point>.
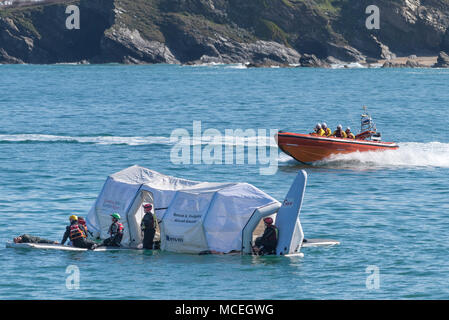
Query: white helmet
<point>348,128</point>
<point>340,127</point>
<point>324,125</point>
<point>318,126</point>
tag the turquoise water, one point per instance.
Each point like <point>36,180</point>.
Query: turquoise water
<point>64,129</point>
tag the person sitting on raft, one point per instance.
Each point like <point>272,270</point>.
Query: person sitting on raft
<point>77,235</point>
<point>339,133</point>
<point>349,134</point>
<point>115,231</point>
<point>26,238</point>
<point>327,130</point>
<point>318,130</point>
<point>83,224</point>
<point>266,244</point>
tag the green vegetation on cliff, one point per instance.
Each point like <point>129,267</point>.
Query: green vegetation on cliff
<point>186,30</point>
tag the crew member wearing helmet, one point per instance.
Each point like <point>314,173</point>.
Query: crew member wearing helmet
<point>327,130</point>
<point>115,231</point>
<point>266,244</point>
<point>339,133</point>
<point>148,226</point>
<point>318,130</point>
<point>77,235</point>
<point>349,134</point>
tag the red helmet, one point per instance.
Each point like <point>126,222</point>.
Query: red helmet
<point>268,220</point>
<point>81,220</point>
<point>148,206</point>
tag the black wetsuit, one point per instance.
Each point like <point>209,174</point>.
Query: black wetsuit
<point>80,242</point>
<point>116,232</point>
<point>268,241</point>
<point>148,226</point>
<point>26,238</point>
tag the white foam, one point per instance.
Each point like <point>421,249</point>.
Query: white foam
<point>138,140</point>
<point>236,66</point>
<point>352,65</point>
<point>409,154</point>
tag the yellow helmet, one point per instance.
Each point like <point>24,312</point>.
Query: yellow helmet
<point>73,217</point>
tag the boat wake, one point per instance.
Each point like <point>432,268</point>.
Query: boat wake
<point>409,154</point>
<point>139,140</point>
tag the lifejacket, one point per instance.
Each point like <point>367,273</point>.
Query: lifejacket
<point>339,134</point>
<point>119,229</point>
<point>274,235</point>
<point>152,224</point>
<point>83,225</point>
<point>76,232</point>
<point>350,135</point>
<point>328,132</point>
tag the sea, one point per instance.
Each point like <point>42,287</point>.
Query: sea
<point>65,128</point>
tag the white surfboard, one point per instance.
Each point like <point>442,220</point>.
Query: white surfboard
<point>287,218</point>
<point>48,246</point>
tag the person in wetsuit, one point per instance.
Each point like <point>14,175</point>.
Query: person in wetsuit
<point>148,226</point>
<point>26,238</point>
<point>266,244</point>
<point>77,235</point>
<point>115,232</point>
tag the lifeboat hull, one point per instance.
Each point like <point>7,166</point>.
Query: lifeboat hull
<point>308,148</point>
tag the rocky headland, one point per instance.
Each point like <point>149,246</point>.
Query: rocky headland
<point>257,33</point>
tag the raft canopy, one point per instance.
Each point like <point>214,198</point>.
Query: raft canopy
<point>193,216</point>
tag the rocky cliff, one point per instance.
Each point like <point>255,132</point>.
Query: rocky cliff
<point>262,32</point>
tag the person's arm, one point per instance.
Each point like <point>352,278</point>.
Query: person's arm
<point>66,235</point>
<point>113,230</point>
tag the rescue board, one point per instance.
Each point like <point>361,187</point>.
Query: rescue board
<point>48,246</point>
<point>319,243</point>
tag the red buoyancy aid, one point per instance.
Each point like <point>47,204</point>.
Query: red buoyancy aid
<point>119,229</point>
<point>76,232</point>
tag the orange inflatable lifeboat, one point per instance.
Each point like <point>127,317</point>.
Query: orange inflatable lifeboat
<point>308,148</point>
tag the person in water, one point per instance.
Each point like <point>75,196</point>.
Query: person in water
<point>26,238</point>
<point>266,244</point>
<point>318,130</point>
<point>77,235</point>
<point>327,130</point>
<point>349,134</point>
<point>115,232</point>
<point>148,226</point>
<point>339,133</point>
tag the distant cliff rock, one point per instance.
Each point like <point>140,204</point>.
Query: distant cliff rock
<point>443,60</point>
<point>256,32</point>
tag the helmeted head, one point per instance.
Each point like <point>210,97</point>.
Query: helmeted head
<point>324,125</point>
<point>348,129</point>
<point>268,221</point>
<point>81,220</point>
<point>115,216</point>
<point>73,218</point>
<point>339,127</point>
<point>318,126</point>
<point>148,207</point>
